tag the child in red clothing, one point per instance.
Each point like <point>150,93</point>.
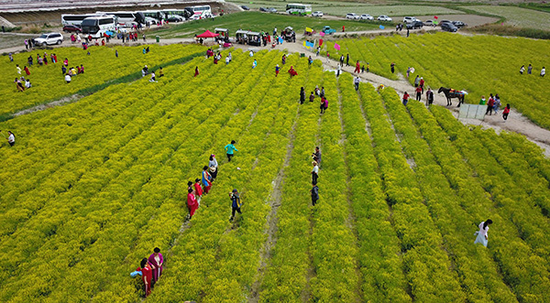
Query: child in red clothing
<point>198,190</point>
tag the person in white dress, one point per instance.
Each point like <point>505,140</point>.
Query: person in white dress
<point>482,236</point>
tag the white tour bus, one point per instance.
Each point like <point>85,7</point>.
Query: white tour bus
<point>155,14</point>
<point>298,9</point>
<point>127,19</point>
<point>174,12</point>
<point>199,11</point>
<point>97,26</point>
<point>73,19</point>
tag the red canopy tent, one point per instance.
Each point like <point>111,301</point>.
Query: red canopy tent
<point>207,34</point>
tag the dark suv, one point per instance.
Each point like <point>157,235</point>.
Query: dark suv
<point>415,24</point>
<point>449,27</point>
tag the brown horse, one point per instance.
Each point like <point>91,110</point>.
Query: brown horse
<point>449,94</point>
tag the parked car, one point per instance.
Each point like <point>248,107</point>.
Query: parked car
<point>317,14</point>
<point>151,21</point>
<point>445,21</point>
<point>70,28</point>
<point>429,23</point>
<point>328,30</point>
<point>384,18</point>
<point>352,16</point>
<point>449,27</point>
<point>415,25</point>
<point>409,19</point>
<point>366,17</point>
<point>49,39</point>
<point>246,8</point>
<point>175,18</point>
<point>268,9</point>
<point>459,24</point>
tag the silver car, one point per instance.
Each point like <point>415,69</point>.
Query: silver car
<point>49,39</point>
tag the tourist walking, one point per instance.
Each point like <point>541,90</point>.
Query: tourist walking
<point>482,236</point>
<point>156,261</point>
<point>206,179</point>
<point>230,149</point>
<point>314,194</point>
<point>235,203</point>
<point>405,98</point>
<point>192,203</point>
<point>429,97</point>
<point>213,164</point>
<point>302,95</point>
<point>506,112</point>
<point>314,172</point>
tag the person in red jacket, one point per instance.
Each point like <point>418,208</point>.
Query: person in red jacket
<point>506,112</point>
<point>421,84</point>
<point>192,203</point>
<point>292,72</point>
<point>198,190</point>
<point>405,98</point>
<point>146,275</point>
<point>357,67</point>
<point>418,93</point>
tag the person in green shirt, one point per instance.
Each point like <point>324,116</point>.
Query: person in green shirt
<point>229,149</point>
<point>482,101</point>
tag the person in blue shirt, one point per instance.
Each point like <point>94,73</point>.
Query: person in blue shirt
<point>235,203</point>
<point>229,149</point>
<point>207,184</point>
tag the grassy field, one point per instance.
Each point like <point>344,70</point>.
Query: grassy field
<point>337,8</point>
<point>516,16</point>
<point>257,21</point>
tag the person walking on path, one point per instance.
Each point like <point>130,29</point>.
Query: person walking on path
<point>18,69</point>
<point>421,84</point>
<point>342,59</point>
<point>339,70</point>
<point>27,70</point>
<point>206,180</point>
<point>302,95</point>
<point>490,105</point>
<point>347,60</point>
<point>235,203</point>
<point>497,104</point>
<point>318,51</point>
<point>322,94</point>
<point>522,69</point>
<point>254,64</point>
<point>429,97</point>
<point>311,97</point>
<point>416,81</point>
<point>357,67</point>
<point>408,72</point>
<point>482,236</point>
<point>192,203</point>
<point>392,65</point>
<point>529,69</point>
<point>197,189</point>
<point>418,93</point>
<point>156,261</point>
<point>314,172</point>
<point>405,98</point>
<point>146,275</point>
<point>407,33</point>
<point>314,194</point>
<point>317,156</point>
<point>328,57</point>
<point>324,105</point>
<point>277,70</point>
<point>506,112</point>
<point>356,82</point>
<point>213,164</point>
<point>230,149</point>
<point>543,71</point>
